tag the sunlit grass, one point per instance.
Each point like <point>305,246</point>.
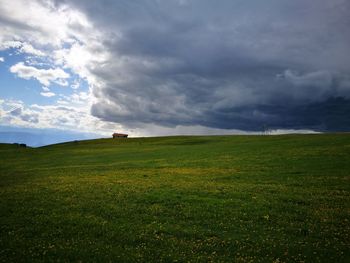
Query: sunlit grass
<point>196,199</point>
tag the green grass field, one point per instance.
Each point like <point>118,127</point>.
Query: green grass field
<point>186,199</point>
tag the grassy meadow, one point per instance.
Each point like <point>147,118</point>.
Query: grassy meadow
<point>178,199</point>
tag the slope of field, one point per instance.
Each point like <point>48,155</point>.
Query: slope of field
<point>194,199</point>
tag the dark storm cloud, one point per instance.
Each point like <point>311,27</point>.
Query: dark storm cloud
<point>224,64</point>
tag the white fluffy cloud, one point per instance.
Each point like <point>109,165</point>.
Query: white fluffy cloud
<point>47,94</point>
<point>44,76</point>
<point>58,35</point>
<point>41,23</point>
<point>28,48</point>
<point>2,59</point>
<point>56,39</point>
<point>22,47</point>
<point>71,116</point>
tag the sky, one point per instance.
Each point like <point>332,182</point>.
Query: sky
<point>152,67</point>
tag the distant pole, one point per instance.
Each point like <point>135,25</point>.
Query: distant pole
<point>265,129</point>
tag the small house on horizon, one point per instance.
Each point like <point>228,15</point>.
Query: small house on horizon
<point>119,135</point>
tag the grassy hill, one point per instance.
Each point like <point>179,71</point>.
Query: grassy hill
<point>194,199</point>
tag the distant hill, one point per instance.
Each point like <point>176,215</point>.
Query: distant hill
<point>40,137</point>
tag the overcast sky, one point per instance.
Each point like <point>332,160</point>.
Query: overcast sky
<point>155,67</point>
